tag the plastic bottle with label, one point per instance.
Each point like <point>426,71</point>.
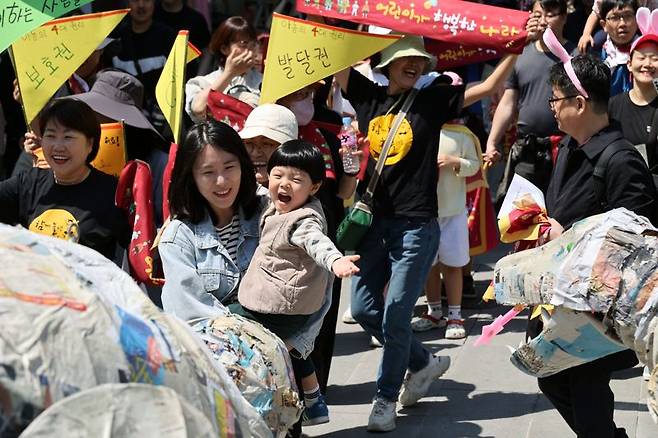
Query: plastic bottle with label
<point>347,136</point>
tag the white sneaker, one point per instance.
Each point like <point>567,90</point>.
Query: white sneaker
<point>455,329</point>
<point>347,317</point>
<point>416,385</point>
<point>382,416</point>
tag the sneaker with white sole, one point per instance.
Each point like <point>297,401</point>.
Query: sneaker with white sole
<point>382,416</point>
<point>318,413</point>
<point>416,385</point>
<point>455,329</point>
<point>347,317</point>
<point>427,322</point>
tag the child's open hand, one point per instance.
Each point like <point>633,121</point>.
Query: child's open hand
<point>345,267</point>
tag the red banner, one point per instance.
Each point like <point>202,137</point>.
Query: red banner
<point>452,55</point>
<point>466,29</point>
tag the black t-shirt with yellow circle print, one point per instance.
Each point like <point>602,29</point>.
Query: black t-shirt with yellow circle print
<point>407,186</point>
<point>83,212</point>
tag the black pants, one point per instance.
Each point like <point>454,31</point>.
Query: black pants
<point>583,397</point>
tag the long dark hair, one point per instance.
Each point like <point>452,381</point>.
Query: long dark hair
<point>76,115</point>
<point>185,200</point>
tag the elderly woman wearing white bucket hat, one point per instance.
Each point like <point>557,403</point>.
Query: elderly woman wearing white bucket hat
<point>402,242</point>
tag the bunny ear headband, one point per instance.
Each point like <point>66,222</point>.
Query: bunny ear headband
<point>556,49</point>
<point>647,21</point>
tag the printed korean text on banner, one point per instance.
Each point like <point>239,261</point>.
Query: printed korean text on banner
<point>451,21</point>
<point>46,57</point>
<point>300,53</point>
<point>169,90</point>
<point>112,156</point>
<point>18,17</point>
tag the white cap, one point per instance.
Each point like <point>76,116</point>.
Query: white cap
<point>273,121</point>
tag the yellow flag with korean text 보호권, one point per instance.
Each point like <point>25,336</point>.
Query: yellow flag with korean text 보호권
<point>169,90</point>
<point>300,53</point>
<point>47,56</point>
<point>17,17</point>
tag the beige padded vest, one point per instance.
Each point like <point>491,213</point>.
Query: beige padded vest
<point>282,278</point>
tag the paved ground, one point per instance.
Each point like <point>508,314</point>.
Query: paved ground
<point>481,395</point>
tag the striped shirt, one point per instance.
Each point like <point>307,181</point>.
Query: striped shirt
<point>228,236</point>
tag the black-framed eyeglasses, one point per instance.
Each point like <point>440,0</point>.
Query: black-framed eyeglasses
<point>616,18</point>
<point>553,99</point>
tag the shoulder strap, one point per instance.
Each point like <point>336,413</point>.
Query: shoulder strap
<point>601,167</point>
<point>387,145</point>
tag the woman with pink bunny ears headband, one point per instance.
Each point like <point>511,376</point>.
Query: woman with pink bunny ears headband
<point>635,110</point>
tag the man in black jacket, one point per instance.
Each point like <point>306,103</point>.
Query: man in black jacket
<point>582,394</point>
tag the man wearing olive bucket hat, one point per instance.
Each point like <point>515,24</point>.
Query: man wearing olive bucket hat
<point>400,246</point>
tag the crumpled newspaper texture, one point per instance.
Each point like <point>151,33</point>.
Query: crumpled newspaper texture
<point>72,320</point>
<point>602,277</point>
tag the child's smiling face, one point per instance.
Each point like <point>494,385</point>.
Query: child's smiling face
<point>290,188</point>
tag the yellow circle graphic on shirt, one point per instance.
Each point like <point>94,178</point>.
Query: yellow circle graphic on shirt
<point>56,223</point>
<point>377,133</point>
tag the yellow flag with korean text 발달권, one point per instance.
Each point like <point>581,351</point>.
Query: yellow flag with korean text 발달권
<point>300,53</point>
<point>169,90</point>
<point>46,57</point>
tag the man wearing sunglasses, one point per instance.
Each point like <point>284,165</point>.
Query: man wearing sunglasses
<point>582,394</point>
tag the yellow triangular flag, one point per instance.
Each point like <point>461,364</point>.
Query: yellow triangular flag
<point>47,56</point>
<point>112,156</point>
<point>169,90</point>
<point>300,53</point>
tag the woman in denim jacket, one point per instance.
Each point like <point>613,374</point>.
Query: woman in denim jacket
<point>208,245</point>
<point>213,193</point>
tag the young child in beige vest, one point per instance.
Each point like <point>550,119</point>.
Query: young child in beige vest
<point>288,276</point>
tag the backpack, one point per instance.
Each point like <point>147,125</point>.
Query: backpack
<point>602,165</point>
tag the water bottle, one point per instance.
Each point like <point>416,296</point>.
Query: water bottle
<point>347,136</point>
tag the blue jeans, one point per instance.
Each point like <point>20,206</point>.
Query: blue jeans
<point>398,251</point>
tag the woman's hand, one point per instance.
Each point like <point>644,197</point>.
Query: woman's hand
<point>556,229</point>
<point>491,155</point>
<point>32,146</point>
<point>345,267</point>
<point>238,64</point>
<point>31,143</point>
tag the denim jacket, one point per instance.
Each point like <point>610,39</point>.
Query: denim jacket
<point>199,273</point>
<point>198,270</point>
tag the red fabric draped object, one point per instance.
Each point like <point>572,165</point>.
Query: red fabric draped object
<point>227,109</point>
<point>482,229</point>
<point>166,179</point>
<point>134,195</point>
